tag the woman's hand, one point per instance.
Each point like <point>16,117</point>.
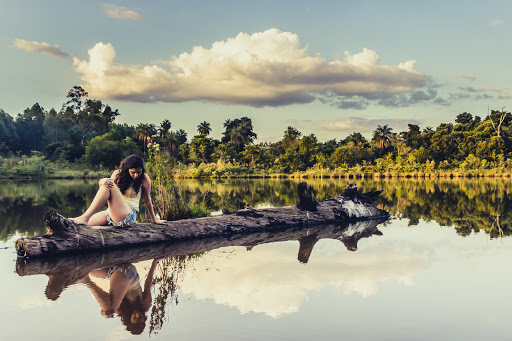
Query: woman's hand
<point>159,221</point>
<point>107,313</point>
<point>109,183</point>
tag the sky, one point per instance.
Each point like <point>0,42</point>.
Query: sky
<point>328,68</point>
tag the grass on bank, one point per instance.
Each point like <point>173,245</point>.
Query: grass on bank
<point>37,167</point>
<point>235,171</point>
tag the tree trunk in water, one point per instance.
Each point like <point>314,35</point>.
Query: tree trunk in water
<point>65,236</point>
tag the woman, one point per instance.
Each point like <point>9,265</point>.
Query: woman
<point>122,192</point>
<point>125,296</point>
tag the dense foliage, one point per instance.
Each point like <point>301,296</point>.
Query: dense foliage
<point>84,131</point>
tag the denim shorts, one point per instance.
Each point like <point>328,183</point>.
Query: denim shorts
<point>129,220</point>
<point>128,269</point>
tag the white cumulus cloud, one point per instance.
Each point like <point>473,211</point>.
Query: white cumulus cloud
<point>121,12</point>
<point>42,48</point>
<point>269,68</point>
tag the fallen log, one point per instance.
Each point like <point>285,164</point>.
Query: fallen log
<point>65,236</point>
<point>66,270</point>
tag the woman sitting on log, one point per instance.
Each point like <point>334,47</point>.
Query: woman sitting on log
<point>122,192</point>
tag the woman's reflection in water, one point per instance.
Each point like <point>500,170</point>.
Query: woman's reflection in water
<point>125,296</point>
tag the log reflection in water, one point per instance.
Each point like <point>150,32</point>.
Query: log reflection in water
<point>65,271</point>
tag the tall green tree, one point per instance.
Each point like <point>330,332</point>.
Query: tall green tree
<point>412,136</point>
<point>201,148</point>
<point>106,151</point>
<point>355,138</point>
<point>88,114</point>
<point>9,139</point>
<point>382,136</point>
<point>254,154</point>
<point>165,126</point>
<point>302,156</point>
<point>291,138</point>
<point>30,129</point>
<point>240,132</point>
<point>349,154</point>
<point>237,138</point>
<point>144,132</point>
<point>181,136</point>
<point>204,128</point>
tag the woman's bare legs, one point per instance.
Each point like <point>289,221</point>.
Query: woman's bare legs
<point>108,193</point>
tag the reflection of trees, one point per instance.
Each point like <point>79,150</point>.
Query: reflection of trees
<point>471,205</point>
<point>22,203</point>
<point>170,275</point>
<point>468,205</point>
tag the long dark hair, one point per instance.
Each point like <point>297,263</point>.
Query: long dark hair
<point>123,179</point>
<point>125,311</point>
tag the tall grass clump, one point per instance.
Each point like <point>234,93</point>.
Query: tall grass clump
<point>167,195</point>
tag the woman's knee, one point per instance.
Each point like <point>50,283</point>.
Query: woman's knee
<point>102,181</point>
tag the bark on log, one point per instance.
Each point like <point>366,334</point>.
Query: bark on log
<point>66,270</point>
<point>64,236</point>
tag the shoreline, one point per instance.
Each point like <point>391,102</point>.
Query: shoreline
<point>297,175</point>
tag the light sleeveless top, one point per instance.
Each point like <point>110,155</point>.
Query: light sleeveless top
<point>132,198</point>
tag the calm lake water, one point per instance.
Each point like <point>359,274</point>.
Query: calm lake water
<point>435,271</point>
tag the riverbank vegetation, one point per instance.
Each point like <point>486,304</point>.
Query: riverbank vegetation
<point>83,140</point>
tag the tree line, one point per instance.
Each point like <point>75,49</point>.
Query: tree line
<point>84,130</point>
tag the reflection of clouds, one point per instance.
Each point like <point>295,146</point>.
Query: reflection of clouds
<point>34,301</point>
<point>495,320</point>
<point>119,333</point>
<point>269,279</point>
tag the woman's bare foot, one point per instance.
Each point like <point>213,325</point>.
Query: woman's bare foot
<point>80,220</point>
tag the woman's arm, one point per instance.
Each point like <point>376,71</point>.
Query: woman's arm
<point>146,196</point>
<point>146,295</point>
<point>101,296</point>
<point>115,175</point>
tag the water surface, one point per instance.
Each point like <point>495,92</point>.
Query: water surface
<point>435,271</point>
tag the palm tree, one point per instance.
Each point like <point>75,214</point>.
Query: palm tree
<point>144,132</point>
<point>227,123</point>
<point>247,129</point>
<point>165,126</point>
<point>172,141</point>
<point>382,136</point>
<point>237,137</point>
<point>204,128</point>
<point>181,136</point>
